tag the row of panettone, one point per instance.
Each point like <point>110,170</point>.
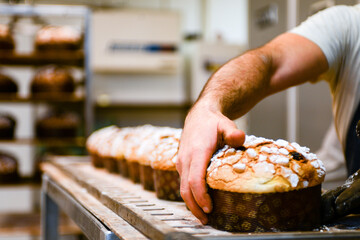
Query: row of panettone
<point>145,154</point>
<point>264,185</point>
<point>48,81</point>
<point>55,124</point>
<point>48,38</point>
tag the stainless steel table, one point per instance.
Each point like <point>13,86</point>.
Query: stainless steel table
<point>60,193</point>
<point>53,198</point>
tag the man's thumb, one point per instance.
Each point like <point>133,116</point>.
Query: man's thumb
<point>231,135</point>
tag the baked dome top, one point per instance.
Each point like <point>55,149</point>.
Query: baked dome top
<point>53,78</point>
<point>264,166</point>
<point>164,157</point>
<point>57,34</point>
<point>98,138</point>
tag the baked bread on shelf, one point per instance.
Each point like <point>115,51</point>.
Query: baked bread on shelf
<point>52,38</point>
<point>8,168</point>
<point>7,126</point>
<point>131,151</point>
<point>6,38</point>
<point>145,155</point>
<point>52,81</point>
<point>265,185</point>
<point>7,85</point>
<point>167,179</point>
<point>132,144</point>
<point>95,142</point>
<point>104,149</point>
<point>57,125</point>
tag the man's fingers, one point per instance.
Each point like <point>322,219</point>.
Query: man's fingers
<point>328,210</point>
<point>183,166</point>
<point>187,196</point>
<point>349,199</point>
<point>197,179</point>
<point>230,134</point>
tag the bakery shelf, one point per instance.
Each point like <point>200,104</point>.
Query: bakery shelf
<point>63,98</point>
<point>77,141</point>
<point>16,224</point>
<point>72,58</point>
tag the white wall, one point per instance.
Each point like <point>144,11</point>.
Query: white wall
<point>227,19</point>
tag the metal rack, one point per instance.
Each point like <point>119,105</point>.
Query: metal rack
<point>78,58</point>
<point>63,11</point>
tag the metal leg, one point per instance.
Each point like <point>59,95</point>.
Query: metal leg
<point>49,218</point>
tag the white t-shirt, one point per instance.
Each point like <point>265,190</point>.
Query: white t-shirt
<point>336,31</point>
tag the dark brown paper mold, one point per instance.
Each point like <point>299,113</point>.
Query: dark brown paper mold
<point>53,47</point>
<point>123,165</point>
<point>167,185</point>
<point>97,161</point>
<point>8,168</point>
<point>147,177</point>
<point>110,164</point>
<point>118,166</point>
<point>134,172</point>
<point>250,212</point>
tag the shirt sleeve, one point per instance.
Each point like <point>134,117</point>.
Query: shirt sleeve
<point>329,30</point>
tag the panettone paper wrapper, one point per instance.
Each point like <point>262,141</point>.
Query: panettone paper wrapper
<point>134,171</point>
<point>271,212</point>
<point>97,161</point>
<point>12,177</point>
<point>167,185</point>
<point>63,132</point>
<point>53,47</point>
<point>111,165</point>
<point>147,177</point>
<point>7,133</point>
<point>123,167</point>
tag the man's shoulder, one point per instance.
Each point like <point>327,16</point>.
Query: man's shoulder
<point>343,16</point>
<point>343,9</point>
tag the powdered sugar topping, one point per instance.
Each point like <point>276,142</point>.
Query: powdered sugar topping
<point>267,158</point>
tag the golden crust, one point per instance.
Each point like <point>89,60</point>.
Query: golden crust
<point>264,166</point>
<point>134,139</point>
<point>144,153</point>
<point>98,138</point>
<point>164,157</point>
<point>57,34</point>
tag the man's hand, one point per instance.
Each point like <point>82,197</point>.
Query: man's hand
<point>204,131</point>
<point>343,200</point>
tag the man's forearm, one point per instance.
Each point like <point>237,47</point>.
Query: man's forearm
<point>239,84</point>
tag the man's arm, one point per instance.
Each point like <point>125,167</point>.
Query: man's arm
<point>232,91</point>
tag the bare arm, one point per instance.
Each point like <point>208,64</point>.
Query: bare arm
<point>232,91</point>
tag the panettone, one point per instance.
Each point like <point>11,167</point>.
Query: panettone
<point>6,38</point>
<point>167,179</point>
<point>7,126</point>
<point>95,141</point>
<point>145,155</point>
<point>52,80</point>
<point>8,168</point>
<point>116,158</point>
<point>132,143</point>
<point>7,85</point>
<point>57,125</point>
<point>265,185</point>
<point>58,38</point>
<point>105,147</point>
